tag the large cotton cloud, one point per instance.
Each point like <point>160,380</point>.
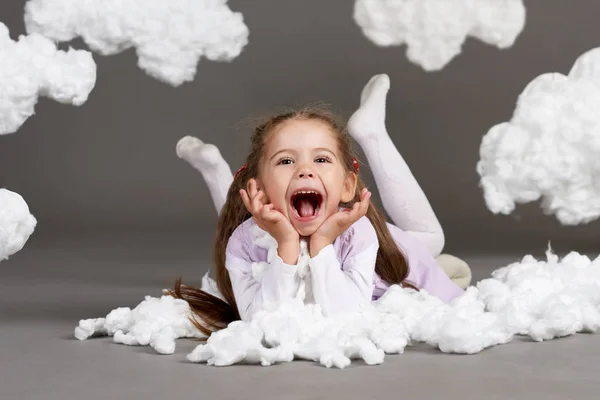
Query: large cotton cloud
<point>16,223</point>
<point>435,30</point>
<point>543,299</point>
<point>550,149</point>
<point>170,37</point>
<point>31,67</point>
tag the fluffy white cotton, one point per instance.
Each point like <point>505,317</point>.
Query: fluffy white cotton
<point>170,37</point>
<point>435,30</point>
<point>31,67</point>
<point>550,149</point>
<point>156,322</point>
<point>546,299</point>
<point>541,299</point>
<point>16,223</point>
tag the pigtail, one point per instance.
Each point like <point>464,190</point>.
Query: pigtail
<point>210,313</point>
<point>391,264</point>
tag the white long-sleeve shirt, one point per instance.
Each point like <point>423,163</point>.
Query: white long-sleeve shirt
<point>341,277</point>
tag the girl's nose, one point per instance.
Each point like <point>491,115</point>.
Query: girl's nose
<point>305,173</point>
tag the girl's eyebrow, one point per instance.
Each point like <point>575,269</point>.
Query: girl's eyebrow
<point>318,149</point>
<point>280,151</point>
<point>326,150</point>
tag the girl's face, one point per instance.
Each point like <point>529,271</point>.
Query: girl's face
<point>302,174</point>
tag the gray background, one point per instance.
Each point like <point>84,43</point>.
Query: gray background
<point>111,165</point>
<point>120,216</point>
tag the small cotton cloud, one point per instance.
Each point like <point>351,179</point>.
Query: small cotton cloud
<point>434,31</point>
<point>32,67</point>
<point>16,223</point>
<point>155,322</point>
<point>550,149</point>
<point>170,37</point>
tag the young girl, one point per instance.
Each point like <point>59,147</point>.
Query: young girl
<point>301,185</point>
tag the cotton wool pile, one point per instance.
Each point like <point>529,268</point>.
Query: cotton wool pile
<point>550,149</point>
<point>434,31</point>
<point>16,223</point>
<point>32,66</point>
<point>170,37</point>
<point>543,299</point>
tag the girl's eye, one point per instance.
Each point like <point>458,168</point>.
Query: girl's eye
<point>323,160</point>
<point>284,161</point>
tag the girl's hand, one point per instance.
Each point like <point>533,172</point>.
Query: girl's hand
<point>336,224</point>
<point>266,217</point>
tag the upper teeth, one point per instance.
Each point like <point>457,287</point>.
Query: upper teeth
<point>306,192</point>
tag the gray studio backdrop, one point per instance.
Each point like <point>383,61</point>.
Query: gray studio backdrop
<point>111,164</point>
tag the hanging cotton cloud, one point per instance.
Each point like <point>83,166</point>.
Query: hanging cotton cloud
<point>16,223</point>
<point>170,37</point>
<point>31,67</point>
<point>550,149</point>
<point>540,299</point>
<point>434,31</point>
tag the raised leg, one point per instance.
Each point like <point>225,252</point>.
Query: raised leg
<point>402,197</point>
<point>207,159</point>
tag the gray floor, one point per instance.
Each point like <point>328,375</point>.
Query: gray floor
<point>46,288</point>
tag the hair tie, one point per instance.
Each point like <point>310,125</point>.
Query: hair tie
<point>243,167</point>
<point>355,163</point>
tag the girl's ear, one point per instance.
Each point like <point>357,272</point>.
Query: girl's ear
<point>349,187</point>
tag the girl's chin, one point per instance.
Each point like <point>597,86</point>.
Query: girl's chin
<point>306,229</point>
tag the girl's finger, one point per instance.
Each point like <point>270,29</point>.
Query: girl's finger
<point>268,214</point>
<point>366,202</point>
<point>259,195</point>
<point>246,200</point>
<point>359,209</point>
<point>258,200</point>
<point>251,187</point>
<point>356,211</point>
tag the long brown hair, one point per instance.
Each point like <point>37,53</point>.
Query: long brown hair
<point>212,313</point>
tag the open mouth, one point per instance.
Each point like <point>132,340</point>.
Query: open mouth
<point>306,203</point>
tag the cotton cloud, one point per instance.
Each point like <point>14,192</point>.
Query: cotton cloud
<point>550,149</point>
<point>16,223</point>
<point>32,67</point>
<point>542,299</point>
<point>170,37</point>
<point>155,322</point>
<point>434,31</point>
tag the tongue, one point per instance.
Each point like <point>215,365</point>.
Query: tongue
<point>305,208</point>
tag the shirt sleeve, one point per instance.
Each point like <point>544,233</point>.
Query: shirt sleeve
<point>278,281</point>
<point>346,285</point>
